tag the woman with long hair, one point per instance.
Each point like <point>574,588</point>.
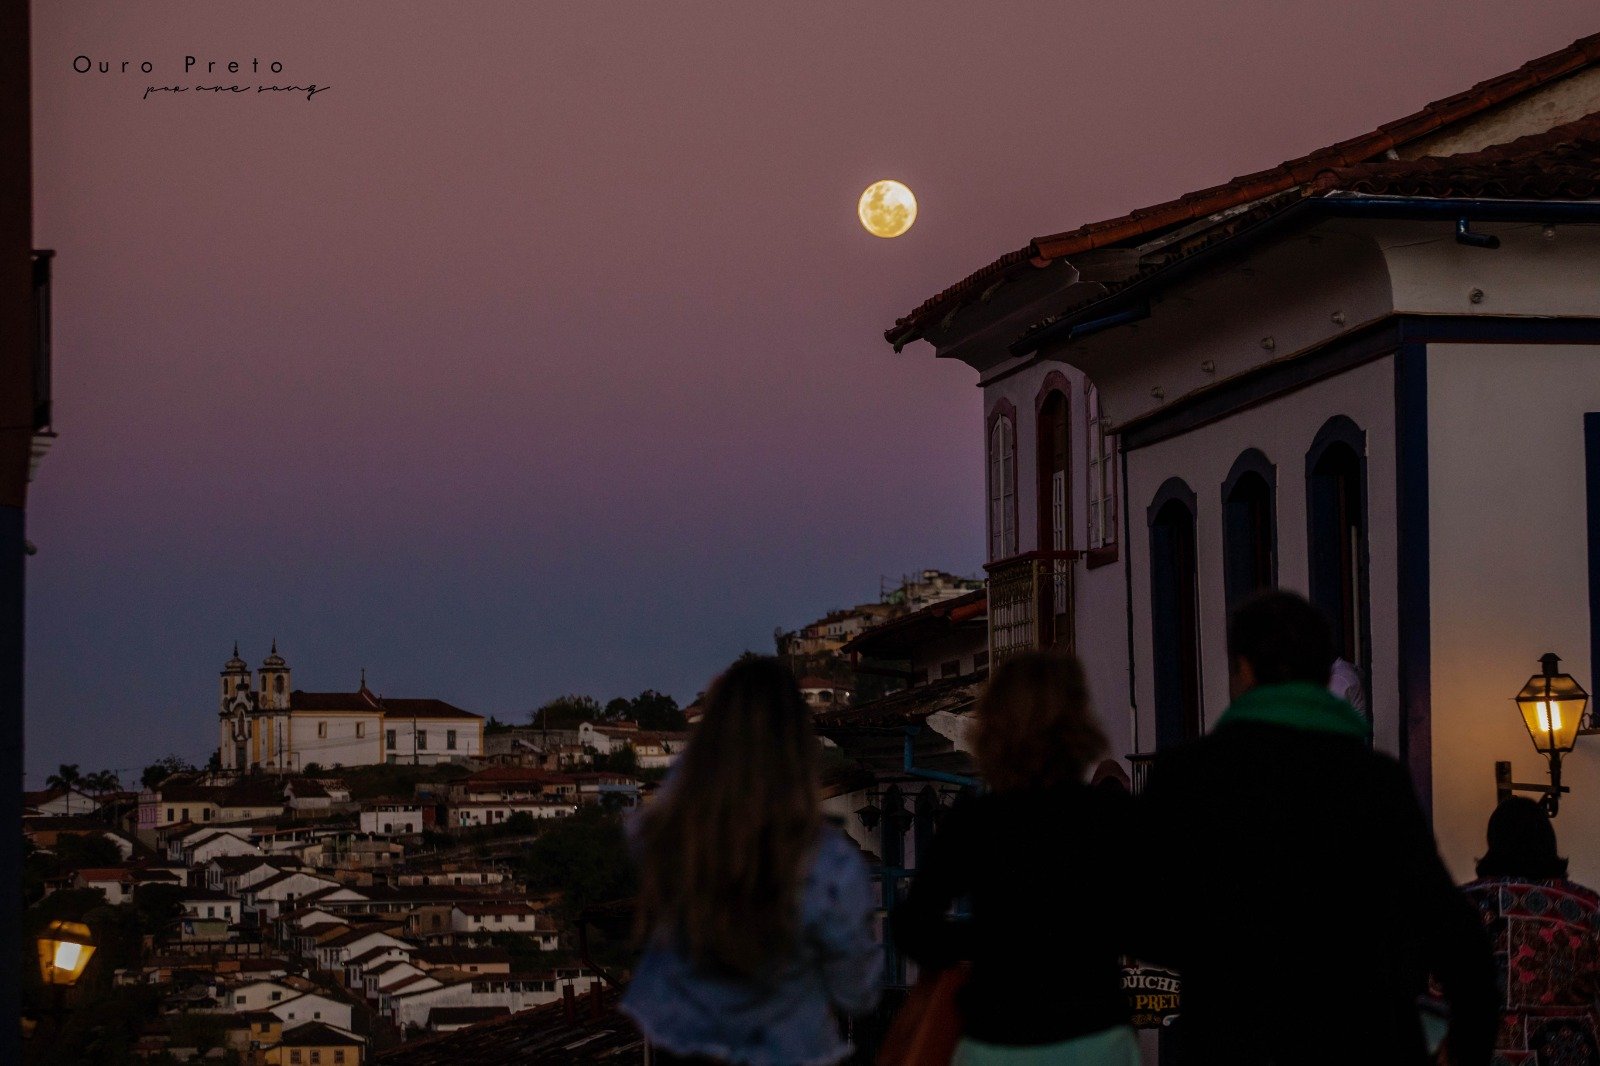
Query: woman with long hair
<point>757,916</point>
<point>1039,861</point>
<point>1546,935</point>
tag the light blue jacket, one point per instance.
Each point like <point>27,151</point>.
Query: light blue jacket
<point>787,1020</point>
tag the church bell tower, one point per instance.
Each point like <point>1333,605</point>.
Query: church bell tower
<point>235,682</point>
<point>275,687</point>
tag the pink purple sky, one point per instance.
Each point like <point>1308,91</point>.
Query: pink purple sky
<point>542,352</point>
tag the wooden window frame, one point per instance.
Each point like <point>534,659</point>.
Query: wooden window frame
<point>1004,412</point>
<point>1237,586</point>
<point>1100,481</point>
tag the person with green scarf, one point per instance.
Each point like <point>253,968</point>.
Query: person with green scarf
<point>1290,876</point>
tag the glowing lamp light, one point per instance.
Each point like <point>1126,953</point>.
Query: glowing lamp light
<point>887,208</point>
<point>1552,706</point>
<point>64,950</point>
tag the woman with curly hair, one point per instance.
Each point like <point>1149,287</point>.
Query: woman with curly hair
<point>1039,861</point>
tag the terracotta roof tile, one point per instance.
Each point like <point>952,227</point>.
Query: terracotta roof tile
<point>1148,221</point>
<point>1560,164</point>
<point>424,709</point>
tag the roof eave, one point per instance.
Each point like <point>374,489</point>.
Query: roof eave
<point>1107,311</point>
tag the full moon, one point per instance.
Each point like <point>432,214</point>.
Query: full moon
<point>887,208</point>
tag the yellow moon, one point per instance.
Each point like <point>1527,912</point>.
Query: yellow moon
<point>887,208</point>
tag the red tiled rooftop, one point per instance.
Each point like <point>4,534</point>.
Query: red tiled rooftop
<point>1148,221</point>
<point>366,700</point>
<point>1562,163</point>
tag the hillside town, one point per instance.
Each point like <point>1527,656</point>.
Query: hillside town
<point>353,873</point>
<point>1312,382</point>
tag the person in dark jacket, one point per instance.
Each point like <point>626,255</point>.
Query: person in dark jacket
<point>1290,875</point>
<point>1040,861</point>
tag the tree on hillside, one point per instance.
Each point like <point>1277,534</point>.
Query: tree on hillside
<point>622,761</point>
<point>584,857</point>
<point>66,777</point>
<point>103,781</point>
<point>567,712</point>
<point>656,710</point>
<point>79,851</point>
<point>157,906</point>
<point>162,769</point>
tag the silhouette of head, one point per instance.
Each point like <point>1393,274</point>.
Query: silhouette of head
<point>1275,638</point>
<point>1522,843</point>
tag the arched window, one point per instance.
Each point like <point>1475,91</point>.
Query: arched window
<point>1003,481</point>
<point>277,684</point>
<point>1175,613</point>
<point>1054,510</point>
<point>1249,527</point>
<point>1336,535</point>
<point>1054,466</point>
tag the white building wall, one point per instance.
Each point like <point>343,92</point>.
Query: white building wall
<point>227,844</point>
<point>1508,564</point>
<point>468,731</point>
<point>392,821</point>
<point>413,1009</point>
<point>312,1008</point>
<point>1102,642</point>
<point>1283,430</point>
<point>331,740</point>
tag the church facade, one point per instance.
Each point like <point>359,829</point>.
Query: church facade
<point>265,723</point>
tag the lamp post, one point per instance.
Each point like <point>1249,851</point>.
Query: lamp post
<point>1552,706</point>
<point>64,951</point>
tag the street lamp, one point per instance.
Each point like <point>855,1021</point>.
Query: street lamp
<point>1552,706</point>
<point>64,951</point>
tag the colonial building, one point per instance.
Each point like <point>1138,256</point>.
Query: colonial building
<point>1369,374</point>
<point>265,723</point>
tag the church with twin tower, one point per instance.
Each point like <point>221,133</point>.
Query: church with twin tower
<point>265,724</point>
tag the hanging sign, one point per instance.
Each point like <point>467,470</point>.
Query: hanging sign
<point>1152,994</point>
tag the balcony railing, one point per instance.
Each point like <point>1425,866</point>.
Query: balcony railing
<point>1031,603</point>
<point>1140,763</point>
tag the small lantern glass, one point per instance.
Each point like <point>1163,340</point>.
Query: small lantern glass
<point>64,951</point>
<point>1552,706</point>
